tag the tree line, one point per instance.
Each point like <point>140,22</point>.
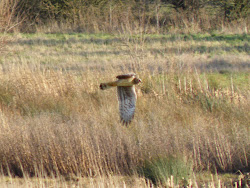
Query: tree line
<point>115,15</point>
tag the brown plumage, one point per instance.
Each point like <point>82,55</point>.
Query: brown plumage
<point>126,95</point>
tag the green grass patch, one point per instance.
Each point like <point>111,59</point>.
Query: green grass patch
<point>227,80</point>
<point>6,96</point>
<point>160,169</point>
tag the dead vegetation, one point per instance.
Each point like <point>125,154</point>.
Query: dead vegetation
<point>54,120</point>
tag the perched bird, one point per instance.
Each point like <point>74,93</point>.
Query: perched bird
<point>126,95</point>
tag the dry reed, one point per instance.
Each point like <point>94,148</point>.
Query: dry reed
<point>57,122</point>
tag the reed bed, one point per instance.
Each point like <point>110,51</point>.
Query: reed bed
<point>55,122</point>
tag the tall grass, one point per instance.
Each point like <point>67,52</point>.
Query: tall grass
<point>58,119</point>
<point>54,120</point>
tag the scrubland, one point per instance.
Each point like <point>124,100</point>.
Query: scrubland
<point>57,128</point>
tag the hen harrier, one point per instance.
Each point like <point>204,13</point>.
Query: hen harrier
<point>126,95</point>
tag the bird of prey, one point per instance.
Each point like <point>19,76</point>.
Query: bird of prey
<point>126,95</point>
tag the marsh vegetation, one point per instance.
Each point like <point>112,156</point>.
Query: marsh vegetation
<point>191,126</point>
<point>192,112</point>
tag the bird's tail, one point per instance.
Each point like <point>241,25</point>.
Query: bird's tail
<point>108,85</point>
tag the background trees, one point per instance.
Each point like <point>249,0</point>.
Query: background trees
<point>116,15</point>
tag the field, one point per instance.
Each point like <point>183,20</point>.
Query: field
<point>191,126</point>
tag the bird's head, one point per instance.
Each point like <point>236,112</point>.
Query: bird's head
<point>136,80</point>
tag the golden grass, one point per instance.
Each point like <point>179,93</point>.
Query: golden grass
<point>55,121</point>
<point>105,181</point>
<point>202,179</point>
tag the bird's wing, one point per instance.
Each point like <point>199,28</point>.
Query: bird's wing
<point>127,101</point>
<point>126,76</point>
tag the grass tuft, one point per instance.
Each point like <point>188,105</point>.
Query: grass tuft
<point>164,169</point>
